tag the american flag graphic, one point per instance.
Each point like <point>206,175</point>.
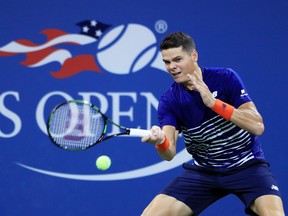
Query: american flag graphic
<point>50,51</point>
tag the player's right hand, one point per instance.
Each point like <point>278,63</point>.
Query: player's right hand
<point>156,137</point>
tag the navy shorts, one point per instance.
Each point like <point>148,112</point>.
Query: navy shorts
<point>198,187</point>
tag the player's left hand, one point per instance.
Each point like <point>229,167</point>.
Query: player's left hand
<point>200,86</point>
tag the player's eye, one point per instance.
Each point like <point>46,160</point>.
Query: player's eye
<point>178,59</point>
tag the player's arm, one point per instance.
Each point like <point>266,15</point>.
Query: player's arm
<point>164,139</point>
<point>172,136</point>
<point>248,118</point>
<point>245,116</point>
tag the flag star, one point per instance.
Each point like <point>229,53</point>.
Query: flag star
<point>98,33</point>
<point>93,23</point>
<point>85,29</point>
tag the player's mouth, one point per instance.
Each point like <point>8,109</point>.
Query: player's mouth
<point>176,74</point>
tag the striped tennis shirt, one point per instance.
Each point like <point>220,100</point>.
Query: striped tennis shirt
<point>210,139</point>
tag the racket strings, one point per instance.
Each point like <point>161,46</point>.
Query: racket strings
<point>76,126</point>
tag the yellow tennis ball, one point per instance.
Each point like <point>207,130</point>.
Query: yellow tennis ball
<point>103,162</point>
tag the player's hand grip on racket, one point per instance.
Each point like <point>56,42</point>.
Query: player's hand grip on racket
<point>155,137</point>
<point>139,132</point>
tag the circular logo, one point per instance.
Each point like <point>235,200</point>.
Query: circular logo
<point>161,26</point>
<point>123,50</point>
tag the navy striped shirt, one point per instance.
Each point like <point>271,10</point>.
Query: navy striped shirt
<point>210,139</point>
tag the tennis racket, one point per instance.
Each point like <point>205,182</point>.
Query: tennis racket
<point>79,125</point>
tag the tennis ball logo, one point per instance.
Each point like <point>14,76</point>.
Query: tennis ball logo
<point>127,49</point>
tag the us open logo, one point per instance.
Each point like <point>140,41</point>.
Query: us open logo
<point>130,47</point>
<point>123,45</point>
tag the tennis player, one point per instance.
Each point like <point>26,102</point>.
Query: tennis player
<point>220,125</point>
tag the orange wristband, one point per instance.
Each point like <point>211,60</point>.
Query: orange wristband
<point>164,146</point>
<point>223,109</point>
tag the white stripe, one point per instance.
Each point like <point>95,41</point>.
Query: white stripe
<point>16,47</point>
<point>204,143</point>
<point>58,56</point>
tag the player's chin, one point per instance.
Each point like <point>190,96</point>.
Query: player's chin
<point>178,78</point>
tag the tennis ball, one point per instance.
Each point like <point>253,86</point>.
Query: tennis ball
<point>103,162</point>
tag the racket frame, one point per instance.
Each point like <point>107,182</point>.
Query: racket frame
<point>125,131</point>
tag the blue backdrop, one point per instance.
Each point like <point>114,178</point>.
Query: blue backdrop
<point>107,52</point>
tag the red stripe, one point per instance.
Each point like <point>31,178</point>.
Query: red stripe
<point>73,66</point>
<point>34,57</point>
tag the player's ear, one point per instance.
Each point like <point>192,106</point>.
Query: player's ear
<point>194,55</point>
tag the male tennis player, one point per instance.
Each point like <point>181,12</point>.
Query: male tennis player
<point>220,125</point>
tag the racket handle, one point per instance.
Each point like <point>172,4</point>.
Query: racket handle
<point>139,132</point>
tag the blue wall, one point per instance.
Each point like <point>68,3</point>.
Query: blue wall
<point>125,78</point>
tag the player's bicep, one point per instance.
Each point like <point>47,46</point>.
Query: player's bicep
<point>250,107</point>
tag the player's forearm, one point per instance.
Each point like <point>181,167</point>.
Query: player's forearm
<point>167,154</point>
<point>249,120</point>
<point>246,116</point>
<point>171,137</point>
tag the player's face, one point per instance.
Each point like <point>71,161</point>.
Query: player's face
<point>180,63</point>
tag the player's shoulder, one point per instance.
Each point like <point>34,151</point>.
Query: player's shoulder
<point>172,91</point>
<point>218,71</point>
<point>219,74</point>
